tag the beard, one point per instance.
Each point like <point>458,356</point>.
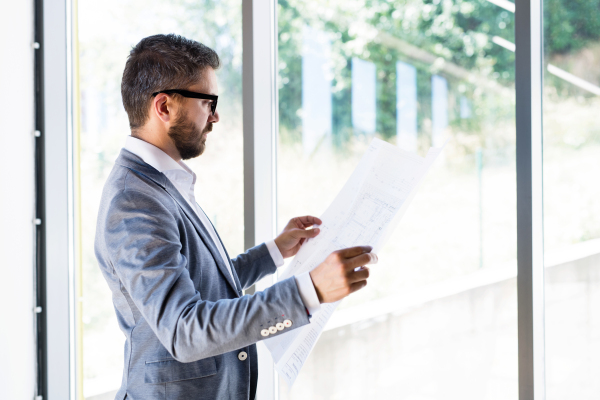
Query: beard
<point>187,137</point>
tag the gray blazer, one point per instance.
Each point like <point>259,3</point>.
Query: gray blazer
<point>189,333</point>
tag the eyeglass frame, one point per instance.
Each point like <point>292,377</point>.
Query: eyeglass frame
<point>193,95</point>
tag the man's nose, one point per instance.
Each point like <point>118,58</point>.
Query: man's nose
<point>214,118</point>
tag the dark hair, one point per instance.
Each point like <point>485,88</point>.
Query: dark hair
<point>161,62</point>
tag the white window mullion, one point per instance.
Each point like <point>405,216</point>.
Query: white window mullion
<point>260,105</point>
<point>58,199</point>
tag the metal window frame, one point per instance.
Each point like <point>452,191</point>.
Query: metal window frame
<point>530,232</point>
<point>55,201</point>
<point>40,234</point>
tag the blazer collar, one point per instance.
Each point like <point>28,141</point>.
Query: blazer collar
<point>129,160</point>
<point>133,162</point>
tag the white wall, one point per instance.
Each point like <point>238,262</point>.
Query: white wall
<point>17,339</point>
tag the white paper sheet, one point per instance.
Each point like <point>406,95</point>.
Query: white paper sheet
<point>365,212</point>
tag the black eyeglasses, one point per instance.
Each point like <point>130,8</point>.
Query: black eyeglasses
<point>193,95</point>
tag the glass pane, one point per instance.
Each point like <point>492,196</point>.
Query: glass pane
<point>107,31</point>
<point>571,192</point>
<point>438,319</point>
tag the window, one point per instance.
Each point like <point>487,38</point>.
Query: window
<point>107,31</point>
<point>439,317</point>
<point>571,192</point>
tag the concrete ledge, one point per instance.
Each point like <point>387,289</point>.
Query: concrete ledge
<point>400,304</point>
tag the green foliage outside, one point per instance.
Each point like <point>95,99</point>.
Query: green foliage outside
<point>570,25</point>
<point>457,32</point>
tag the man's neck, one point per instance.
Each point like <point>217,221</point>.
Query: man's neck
<point>162,141</point>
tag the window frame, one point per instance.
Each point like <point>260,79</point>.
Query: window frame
<point>259,23</point>
<point>530,229</point>
<point>55,248</point>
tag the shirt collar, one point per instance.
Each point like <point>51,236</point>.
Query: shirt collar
<point>156,158</point>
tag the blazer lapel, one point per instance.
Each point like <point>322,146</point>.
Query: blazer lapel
<point>191,214</point>
<point>234,273</point>
<point>129,160</point>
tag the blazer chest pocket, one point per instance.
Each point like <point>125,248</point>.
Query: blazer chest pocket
<point>163,371</point>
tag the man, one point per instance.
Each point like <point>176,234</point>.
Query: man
<point>190,332</point>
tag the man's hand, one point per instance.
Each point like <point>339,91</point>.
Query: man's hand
<point>295,233</point>
<point>335,278</point>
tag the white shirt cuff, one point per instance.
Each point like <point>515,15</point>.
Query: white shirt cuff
<point>275,253</point>
<point>308,294</point>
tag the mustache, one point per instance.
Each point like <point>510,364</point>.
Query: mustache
<point>208,128</point>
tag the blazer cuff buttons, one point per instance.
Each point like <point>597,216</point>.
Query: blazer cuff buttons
<point>274,329</point>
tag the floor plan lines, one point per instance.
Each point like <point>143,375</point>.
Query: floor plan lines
<point>364,212</point>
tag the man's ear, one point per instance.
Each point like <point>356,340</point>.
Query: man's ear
<point>163,107</point>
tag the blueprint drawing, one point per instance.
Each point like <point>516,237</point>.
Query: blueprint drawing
<point>365,212</point>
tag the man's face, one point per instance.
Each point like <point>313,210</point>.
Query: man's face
<point>194,119</point>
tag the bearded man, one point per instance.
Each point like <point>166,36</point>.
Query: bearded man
<point>190,332</point>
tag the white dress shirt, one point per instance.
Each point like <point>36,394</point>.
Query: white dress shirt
<point>184,180</point>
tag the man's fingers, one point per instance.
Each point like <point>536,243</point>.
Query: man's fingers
<point>357,286</point>
<point>360,260</point>
<point>306,233</point>
<point>340,275</point>
<point>354,251</point>
<point>309,220</point>
<point>358,275</point>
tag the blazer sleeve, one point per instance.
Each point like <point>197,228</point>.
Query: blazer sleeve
<point>253,265</point>
<point>142,239</point>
